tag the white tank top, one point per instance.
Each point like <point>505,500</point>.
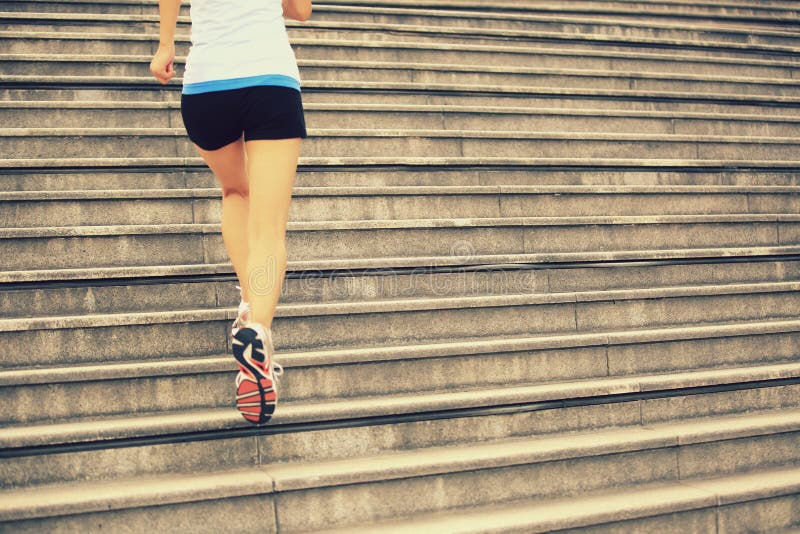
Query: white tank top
<point>238,43</point>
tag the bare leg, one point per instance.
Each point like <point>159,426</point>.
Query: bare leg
<point>229,165</point>
<point>271,169</point>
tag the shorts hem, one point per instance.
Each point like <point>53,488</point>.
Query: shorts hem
<point>282,134</point>
<point>217,145</point>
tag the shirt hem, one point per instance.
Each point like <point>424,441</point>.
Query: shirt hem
<point>237,83</point>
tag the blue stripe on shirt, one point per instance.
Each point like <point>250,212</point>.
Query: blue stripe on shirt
<point>236,83</point>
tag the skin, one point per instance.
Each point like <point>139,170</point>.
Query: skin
<point>256,178</point>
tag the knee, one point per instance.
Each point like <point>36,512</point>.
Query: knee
<point>229,190</point>
<point>267,228</point>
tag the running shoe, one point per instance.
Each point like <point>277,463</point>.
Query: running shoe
<point>256,387</point>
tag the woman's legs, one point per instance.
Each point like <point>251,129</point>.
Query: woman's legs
<point>256,177</point>
<point>271,168</point>
<point>229,165</point>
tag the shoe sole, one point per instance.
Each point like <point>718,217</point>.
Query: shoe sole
<point>259,395</point>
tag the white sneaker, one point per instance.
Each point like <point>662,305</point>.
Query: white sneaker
<point>256,386</point>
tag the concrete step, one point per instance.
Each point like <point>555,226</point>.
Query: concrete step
<point>594,461</point>
<point>559,40</point>
<point>185,244</point>
<point>538,17</point>
<point>50,143</point>
<point>557,54</point>
<point>43,42</point>
<point>77,6</point>
<point>204,331</point>
<point>352,95</point>
<point>473,20</point>
<point>179,173</point>
<point>148,114</point>
<point>465,27</point>
<point>597,30</point>
<point>759,15</point>
<point>353,442</point>
<point>171,288</point>
<point>30,35</point>
<point>484,17</point>
<point>677,5</point>
<point>20,67</point>
<point>431,419</point>
<point>426,420</point>
<point>380,488</point>
<point>390,264</point>
<point>735,11</point>
<point>187,206</point>
<point>138,88</point>
<point>103,35</point>
<point>641,13</point>
<point>737,503</point>
<point>66,392</point>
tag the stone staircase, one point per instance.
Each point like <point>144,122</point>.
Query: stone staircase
<point>544,274</point>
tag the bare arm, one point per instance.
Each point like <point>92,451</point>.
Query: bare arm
<point>162,64</point>
<point>297,9</point>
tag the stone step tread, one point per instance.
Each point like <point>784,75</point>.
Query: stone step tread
<point>377,224</point>
<point>359,161</point>
<point>189,365</point>
<point>341,98</point>
<point>379,305</point>
<point>598,507</point>
<point>441,34</point>
<point>506,32</point>
<point>400,133</point>
<point>96,105</point>
<point>81,497</point>
<point>101,273</point>
<point>611,21</point>
<point>772,16</point>
<point>293,476</point>
<point>536,13</point>
<point>165,423</point>
<point>525,4</point>
<point>112,82</point>
<point>415,66</point>
<point>406,190</point>
<point>455,4</point>
<point>781,8</point>
<point>76,207</point>
<point>521,48</point>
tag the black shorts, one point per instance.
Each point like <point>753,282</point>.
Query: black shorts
<point>216,118</point>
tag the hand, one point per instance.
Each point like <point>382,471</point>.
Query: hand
<point>162,63</point>
<point>299,10</point>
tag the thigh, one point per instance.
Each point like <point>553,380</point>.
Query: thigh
<point>271,170</point>
<point>229,166</point>
<point>211,119</point>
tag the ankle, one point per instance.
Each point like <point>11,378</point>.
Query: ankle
<point>243,296</point>
<point>252,321</point>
